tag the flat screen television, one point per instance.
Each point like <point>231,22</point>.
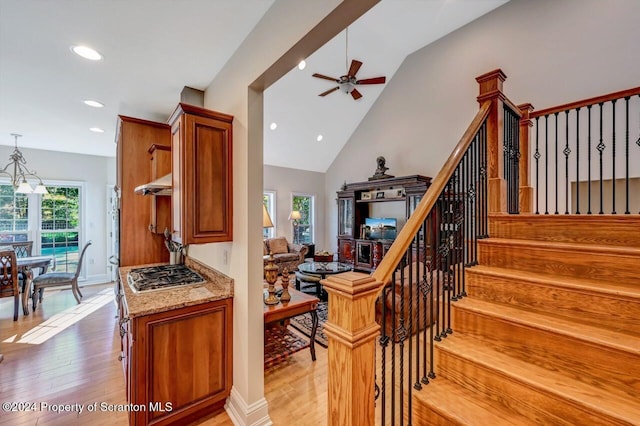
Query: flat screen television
<point>380,228</point>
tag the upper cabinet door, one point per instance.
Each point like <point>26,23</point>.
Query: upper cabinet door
<point>204,179</point>
<point>345,216</point>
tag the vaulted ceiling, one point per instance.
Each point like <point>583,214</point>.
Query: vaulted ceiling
<point>153,48</point>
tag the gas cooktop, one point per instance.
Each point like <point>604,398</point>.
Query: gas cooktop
<point>162,277</point>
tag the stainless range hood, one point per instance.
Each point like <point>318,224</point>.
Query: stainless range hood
<point>160,186</point>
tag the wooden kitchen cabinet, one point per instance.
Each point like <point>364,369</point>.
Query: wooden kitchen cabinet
<point>160,204</point>
<point>177,363</point>
<point>133,168</point>
<point>201,156</point>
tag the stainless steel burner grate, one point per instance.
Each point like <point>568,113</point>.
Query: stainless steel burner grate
<point>162,277</point>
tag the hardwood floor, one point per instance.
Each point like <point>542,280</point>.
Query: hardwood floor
<point>79,365</point>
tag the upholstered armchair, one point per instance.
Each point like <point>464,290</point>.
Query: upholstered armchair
<point>284,253</point>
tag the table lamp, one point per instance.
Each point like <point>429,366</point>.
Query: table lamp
<point>295,216</point>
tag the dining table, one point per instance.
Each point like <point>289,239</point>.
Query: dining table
<point>26,265</point>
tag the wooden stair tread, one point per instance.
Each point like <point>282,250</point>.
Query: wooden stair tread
<point>538,378</point>
<point>465,407</point>
<point>565,246</point>
<point>582,284</point>
<point>593,334</point>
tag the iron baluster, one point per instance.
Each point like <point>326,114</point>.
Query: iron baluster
<point>578,160</point>
<point>613,157</point>
<point>626,154</point>
<point>537,158</point>
<point>556,161</point>
<point>601,147</point>
<point>589,160</point>
<point>546,164</point>
<point>566,153</point>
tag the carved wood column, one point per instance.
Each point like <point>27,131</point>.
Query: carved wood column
<point>351,330</point>
<point>525,192</point>
<point>491,89</point>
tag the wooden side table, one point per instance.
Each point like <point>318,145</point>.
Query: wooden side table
<point>299,304</point>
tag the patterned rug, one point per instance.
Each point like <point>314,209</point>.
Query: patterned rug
<point>302,323</point>
<point>279,343</point>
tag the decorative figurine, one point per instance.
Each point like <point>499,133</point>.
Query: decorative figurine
<point>380,171</point>
<point>285,297</point>
<point>271,276</point>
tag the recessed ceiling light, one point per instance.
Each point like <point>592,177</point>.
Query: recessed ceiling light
<point>302,64</point>
<point>86,52</point>
<point>273,126</point>
<point>319,138</point>
<point>96,129</point>
<point>93,103</point>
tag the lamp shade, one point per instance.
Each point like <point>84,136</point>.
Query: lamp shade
<point>24,188</point>
<point>266,219</point>
<point>295,215</point>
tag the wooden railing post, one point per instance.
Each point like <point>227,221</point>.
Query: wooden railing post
<point>491,89</point>
<point>525,190</point>
<point>351,330</point>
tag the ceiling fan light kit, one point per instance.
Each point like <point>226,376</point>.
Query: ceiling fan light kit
<point>348,82</point>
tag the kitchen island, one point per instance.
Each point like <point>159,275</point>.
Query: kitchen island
<point>176,347</point>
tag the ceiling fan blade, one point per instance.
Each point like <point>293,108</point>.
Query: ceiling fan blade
<point>329,91</point>
<point>326,77</point>
<point>353,69</point>
<point>375,80</point>
<point>355,94</point>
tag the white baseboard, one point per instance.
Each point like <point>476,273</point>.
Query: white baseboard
<point>95,279</point>
<point>241,414</point>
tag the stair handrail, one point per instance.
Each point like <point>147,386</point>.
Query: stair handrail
<point>392,258</point>
<point>586,102</point>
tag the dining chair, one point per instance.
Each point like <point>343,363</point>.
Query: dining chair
<point>9,279</point>
<point>57,279</point>
<point>22,248</point>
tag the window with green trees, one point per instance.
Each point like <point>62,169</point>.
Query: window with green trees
<point>304,229</point>
<point>60,226</point>
<point>14,215</point>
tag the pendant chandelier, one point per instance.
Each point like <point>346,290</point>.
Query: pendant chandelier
<point>18,172</point>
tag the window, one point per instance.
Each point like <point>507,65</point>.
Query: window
<point>51,221</point>
<point>269,200</point>
<point>14,215</point>
<point>304,229</point>
<point>60,226</point>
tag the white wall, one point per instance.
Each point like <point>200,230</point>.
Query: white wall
<point>285,182</point>
<point>285,24</point>
<point>552,51</point>
<point>96,172</point>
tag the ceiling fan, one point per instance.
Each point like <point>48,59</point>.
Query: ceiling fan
<point>347,83</point>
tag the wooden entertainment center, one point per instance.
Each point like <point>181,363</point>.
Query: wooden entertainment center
<point>355,202</point>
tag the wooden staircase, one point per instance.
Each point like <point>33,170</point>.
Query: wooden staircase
<point>550,331</point>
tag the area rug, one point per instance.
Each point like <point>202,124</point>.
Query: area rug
<point>279,343</point>
<point>303,323</point>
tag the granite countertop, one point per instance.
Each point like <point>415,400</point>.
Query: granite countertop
<point>217,287</point>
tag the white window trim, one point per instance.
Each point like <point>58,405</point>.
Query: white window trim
<point>272,210</point>
<point>34,216</point>
<point>313,212</point>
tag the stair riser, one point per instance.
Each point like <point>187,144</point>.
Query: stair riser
<point>620,230</point>
<point>555,261</point>
<point>608,368</point>
<point>423,414</point>
<point>540,406</point>
<point>605,310</point>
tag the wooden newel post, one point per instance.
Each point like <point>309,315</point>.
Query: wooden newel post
<point>525,192</point>
<point>351,330</point>
<point>491,89</point>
